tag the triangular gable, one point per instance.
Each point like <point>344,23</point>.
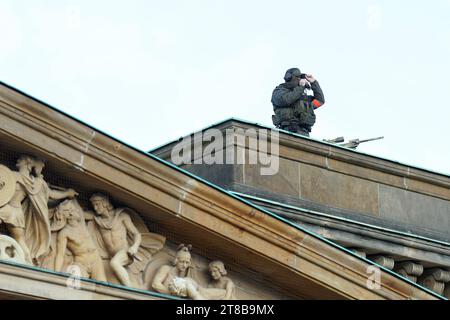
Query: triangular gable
<point>186,209</point>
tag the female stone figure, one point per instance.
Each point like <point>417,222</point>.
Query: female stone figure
<point>35,206</point>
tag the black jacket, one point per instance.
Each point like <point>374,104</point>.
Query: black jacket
<point>285,95</point>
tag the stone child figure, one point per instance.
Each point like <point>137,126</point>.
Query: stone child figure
<point>293,107</point>
<point>74,236</point>
<point>219,281</point>
<point>116,235</point>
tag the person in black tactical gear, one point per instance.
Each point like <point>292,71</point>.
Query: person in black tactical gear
<point>293,106</point>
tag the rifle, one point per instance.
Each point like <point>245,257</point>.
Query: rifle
<point>353,144</point>
<point>335,140</point>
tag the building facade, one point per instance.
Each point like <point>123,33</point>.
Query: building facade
<point>103,220</point>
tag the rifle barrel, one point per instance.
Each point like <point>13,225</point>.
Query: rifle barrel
<point>371,139</point>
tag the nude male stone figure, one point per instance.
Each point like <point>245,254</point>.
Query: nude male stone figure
<point>118,235</point>
<point>74,236</point>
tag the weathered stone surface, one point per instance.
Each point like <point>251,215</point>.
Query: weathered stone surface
<point>10,250</point>
<point>179,279</point>
<point>279,258</point>
<point>222,175</point>
<point>447,291</point>
<point>285,182</point>
<point>358,176</point>
<point>403,273</point>
<point>411,268</point>
<point>290,153</point>
<point>359,171</point>
<point>359,252</point>
<point>31,284</point>
<point>384,261</point>
<point>439,274</point>
<point>338,190</point>
<point>431,283</point>
<point>427,188</point>
<point>414,209</point>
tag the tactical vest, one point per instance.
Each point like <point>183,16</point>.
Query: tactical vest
<point>304,111</point>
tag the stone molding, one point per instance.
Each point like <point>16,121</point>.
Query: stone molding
<point>296,255</point>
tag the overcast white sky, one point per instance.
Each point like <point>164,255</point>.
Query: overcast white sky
<point>148,72</point>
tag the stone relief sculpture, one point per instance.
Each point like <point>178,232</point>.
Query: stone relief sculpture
<point>189,288</point>
<point>179,280</point>
<point>37,211</point>
<point>119,239</point>
<point>10,250</point>
<point>106,243</point>
<point>219,281</point>
<point>25,209</point>
<point>73,235</point>
<point>13,193</point>
<point>181,268</point>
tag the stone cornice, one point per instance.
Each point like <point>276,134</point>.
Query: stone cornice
<point>390,243</point>
<point>33,283</point>
<point>346,161</point>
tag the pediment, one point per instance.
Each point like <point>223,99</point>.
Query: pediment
<point>265,257</point>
